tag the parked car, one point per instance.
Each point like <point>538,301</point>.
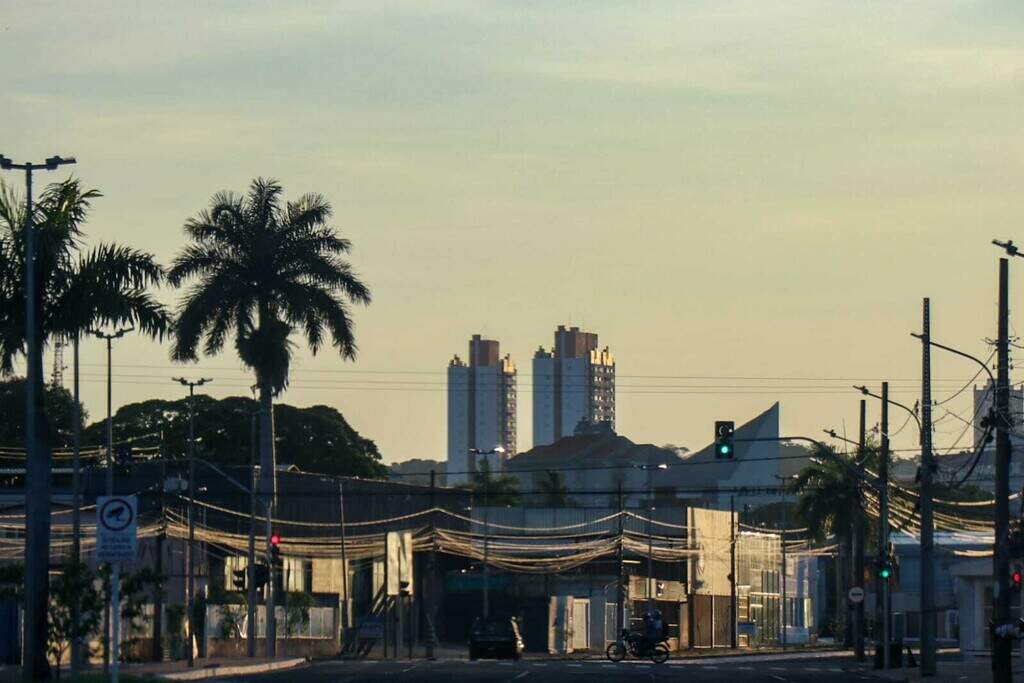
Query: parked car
<point>495,637</point>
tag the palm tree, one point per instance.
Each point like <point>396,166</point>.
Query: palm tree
<point>489,489</point>
<point>832,500</point>
<point>553,490</point>
<point>264,269</point>
<point>75,291</point>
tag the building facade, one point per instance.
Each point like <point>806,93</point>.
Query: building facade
<point>573,382</point>
<point>481,408</point>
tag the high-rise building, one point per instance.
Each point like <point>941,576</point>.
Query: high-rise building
<point>481,409</point>
<point>572,383</point>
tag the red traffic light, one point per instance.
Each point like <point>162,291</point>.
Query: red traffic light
<point>1016,577</point>
<point>275,540</point>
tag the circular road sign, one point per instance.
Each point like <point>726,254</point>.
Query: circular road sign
<point>856,595</point>
<point>116,514</point>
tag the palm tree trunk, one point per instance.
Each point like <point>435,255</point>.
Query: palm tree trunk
<point>37,538</point>
<point>268,462</point>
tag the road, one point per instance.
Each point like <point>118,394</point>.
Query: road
<point>738,670</point>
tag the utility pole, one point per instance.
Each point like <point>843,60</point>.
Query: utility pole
<point>109,338</point>
<point>732,572</point>
<point>620,613</point>
<point>158,593</point>
<point>1002,671</point>
<point>344,559</point>
<point>858,542</point>
<point>927,525</point>
<point>76,503</point>
<point>250,592</point>
<point>487,570</point>
<point>432,572</point>
<point>782,544</point>
<point>37,451</point>
<point>190,589</point>
<point>883,522</point>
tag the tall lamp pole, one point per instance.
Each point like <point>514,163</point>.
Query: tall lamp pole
<point>649,468</point>
<point>487,485</point>
<point>37,466</point>
<point>190,585</point>
<point>109,338</point>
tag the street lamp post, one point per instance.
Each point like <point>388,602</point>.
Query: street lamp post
<point>487,485</point>
<point>190,585</point>
<point>109,338</point>
<point>649,468</point>
<point>37,466</point>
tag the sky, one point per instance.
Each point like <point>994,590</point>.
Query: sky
<point>746,200</point>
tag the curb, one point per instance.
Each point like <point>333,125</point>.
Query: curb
<point>218,671</point>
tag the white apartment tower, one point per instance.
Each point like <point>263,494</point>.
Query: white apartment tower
<point>573,382</point>
<point>481,409</point>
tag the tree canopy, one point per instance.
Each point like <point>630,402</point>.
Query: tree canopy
<point>315,439</point>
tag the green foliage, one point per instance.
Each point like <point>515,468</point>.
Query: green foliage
<point>831,494</point>
<point>60,410</point>
<point>296,612</point>
<point>74,583</point>
<point>78,290</point>
<point>316,439</point>
<point>232,619</point>
<point>488,489</point>
<point>137,589</point>
<point>264,268</point>
<point>554,492</point>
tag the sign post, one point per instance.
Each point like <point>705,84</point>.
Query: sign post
<point>856,595</point>
<point>116,527</point>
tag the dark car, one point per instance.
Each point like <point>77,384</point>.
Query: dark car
<point>495,638</point>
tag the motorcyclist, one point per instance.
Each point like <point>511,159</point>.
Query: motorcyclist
<point>657,626</point>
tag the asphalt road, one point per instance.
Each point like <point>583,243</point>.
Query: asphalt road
<point>737,670</point>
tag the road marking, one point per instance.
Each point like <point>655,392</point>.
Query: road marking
<point>812,668</point>
<point>745,668</point>
<point>607,666</point>
<point>779,678</point>
<point>576,666</point>
<point>836,670</point>
<point>504,663</point>
<point>778,668</point>
<point>539,664</point>
<point>713,668</point>
<point>525,673</point>
<point>405,671</point>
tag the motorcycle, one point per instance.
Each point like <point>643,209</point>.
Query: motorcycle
<point>637,646</point>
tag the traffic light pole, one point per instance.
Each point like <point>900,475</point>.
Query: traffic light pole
<point>250,597</point>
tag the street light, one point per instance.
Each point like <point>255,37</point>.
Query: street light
<point>37,466</point>
<point>499,449</point>
<point>117,334</point>
<point>190,586</point>
<point>650,531</point>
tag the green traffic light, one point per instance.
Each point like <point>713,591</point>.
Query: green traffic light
<point>724,449</point>
<point>885,573</point>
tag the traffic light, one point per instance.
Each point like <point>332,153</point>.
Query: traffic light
<point>275,547</point>
<point>1016,577</point>
<point>262,574</point>
<point>883,568</point>
<point>239,576</point>
<point>723,439</point>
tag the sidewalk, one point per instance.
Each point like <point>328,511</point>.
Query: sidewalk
<point>948,672</point>
<point>178,670</point>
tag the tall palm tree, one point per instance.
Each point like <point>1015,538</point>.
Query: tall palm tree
<point>832,501</point>
<point>264,269</point>
<point>75,290</point>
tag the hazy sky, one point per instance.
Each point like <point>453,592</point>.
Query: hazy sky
<point>720,189</point>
